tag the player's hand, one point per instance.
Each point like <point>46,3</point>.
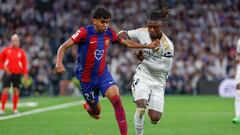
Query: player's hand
<point>59,68</point>
<point>140,55</point>
<point>7,71</point>
<point>25,77</point>
<point>154,44</point>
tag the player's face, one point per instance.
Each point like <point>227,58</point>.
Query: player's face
<point>15,41</point>
<point>101,25</point>
<point>154,28</point>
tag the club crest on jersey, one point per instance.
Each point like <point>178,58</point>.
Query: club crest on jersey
<point>98,54</point>
<point>107,42</point>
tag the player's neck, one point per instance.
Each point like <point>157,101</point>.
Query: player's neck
<point>95,29</point>
<point>159,36</point>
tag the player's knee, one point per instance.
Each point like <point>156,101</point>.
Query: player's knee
<point>5,90</point>
<point>155,118</point>
<point>141,103</point>
<point>141,112</point>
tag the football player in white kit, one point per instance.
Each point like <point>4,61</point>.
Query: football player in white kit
<point>150,78</point>
<point>236,120</point>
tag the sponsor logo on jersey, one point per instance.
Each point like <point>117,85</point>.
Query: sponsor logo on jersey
<point>92,42</point>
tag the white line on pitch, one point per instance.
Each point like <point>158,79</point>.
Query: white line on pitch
<point>43,110</point>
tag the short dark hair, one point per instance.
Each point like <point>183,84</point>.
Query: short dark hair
<point>101,13</point>
<point>157,15</point>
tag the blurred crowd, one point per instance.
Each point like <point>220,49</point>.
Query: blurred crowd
<point>204,33</point>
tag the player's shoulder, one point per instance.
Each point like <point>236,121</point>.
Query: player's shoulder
<point>6,48</point>
<point>86,28</point>
<point>142,29</point>
<point>166,41</point>
<point>140,32</point>
<point>110,30</point>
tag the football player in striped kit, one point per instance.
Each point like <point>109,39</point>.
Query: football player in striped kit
<point>91,68</point>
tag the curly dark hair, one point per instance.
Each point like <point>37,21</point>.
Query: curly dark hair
<point>101,13</point>
<point>158,15</point>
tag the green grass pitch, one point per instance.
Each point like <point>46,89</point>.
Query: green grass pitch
<point>183,115</point>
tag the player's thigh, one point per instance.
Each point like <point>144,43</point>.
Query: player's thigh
<point>156,99</point>
<point>16,80</point>
<point>90,93</point>
<point>107,85</point>
<point>140,88</point>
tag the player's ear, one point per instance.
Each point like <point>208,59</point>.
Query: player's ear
<point>94,21</point>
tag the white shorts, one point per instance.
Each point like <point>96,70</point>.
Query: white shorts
<point>237,77</point>
<point>152,91</point>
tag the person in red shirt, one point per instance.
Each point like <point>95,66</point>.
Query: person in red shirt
<point>13,62</point>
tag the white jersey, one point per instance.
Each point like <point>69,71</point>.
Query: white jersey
<point>157,62</point>
<point>238,62</point>
<point>238,46</point>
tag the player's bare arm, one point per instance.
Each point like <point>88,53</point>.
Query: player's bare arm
<point>59,67</point>
<point>133,44</point>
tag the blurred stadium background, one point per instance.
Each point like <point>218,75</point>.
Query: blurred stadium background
<point>204,32</point>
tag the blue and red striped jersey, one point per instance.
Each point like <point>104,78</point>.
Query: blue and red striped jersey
<point>92,46</point>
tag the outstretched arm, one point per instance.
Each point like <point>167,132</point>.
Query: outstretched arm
<point>124,39</point>
<point>133,44</point>
<point>59,67</point>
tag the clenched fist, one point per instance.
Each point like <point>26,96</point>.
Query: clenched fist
<point>59,68</point>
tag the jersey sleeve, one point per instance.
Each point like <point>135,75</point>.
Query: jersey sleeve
<point>115,37</point>
<point>80,34</point>
<point>133,34</point>
<point>1,61</point>
<point>2,57</point>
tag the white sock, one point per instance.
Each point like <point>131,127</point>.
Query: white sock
<point>139,121</point>
<point>237,104</point>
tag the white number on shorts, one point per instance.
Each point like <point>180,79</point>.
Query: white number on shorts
<point>89,96</point>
